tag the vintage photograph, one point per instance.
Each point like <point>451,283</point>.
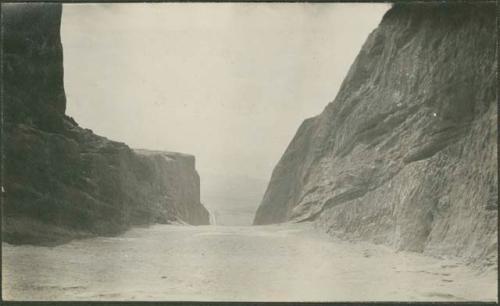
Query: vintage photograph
<point>249,152</point>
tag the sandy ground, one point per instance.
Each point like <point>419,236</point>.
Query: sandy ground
<point>278,263</point>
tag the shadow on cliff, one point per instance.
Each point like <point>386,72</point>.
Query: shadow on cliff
<point>61,181</point>
<point>406,154</point>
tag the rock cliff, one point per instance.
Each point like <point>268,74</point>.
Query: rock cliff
<point>406,154</point>
<point>62,181</point>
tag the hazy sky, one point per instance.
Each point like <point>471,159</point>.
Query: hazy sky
<point>229,83</point>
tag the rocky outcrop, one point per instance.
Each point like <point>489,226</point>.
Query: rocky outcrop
<point>406,154</point>
<point>62,181</point>
<point>174,178</point>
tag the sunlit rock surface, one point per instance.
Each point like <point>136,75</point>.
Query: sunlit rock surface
<point>406,154</point>
<point>60,180</point>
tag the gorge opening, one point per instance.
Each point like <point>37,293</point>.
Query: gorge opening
<point>228,83</point>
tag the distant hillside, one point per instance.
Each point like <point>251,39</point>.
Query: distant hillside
<point>232,199</point>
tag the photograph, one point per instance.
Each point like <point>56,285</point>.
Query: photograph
<point>249,152</point>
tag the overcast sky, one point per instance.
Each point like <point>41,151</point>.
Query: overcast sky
<point>229,83</point>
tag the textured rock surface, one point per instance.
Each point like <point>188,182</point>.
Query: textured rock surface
<point>406,154</point>
<point>62,181</point>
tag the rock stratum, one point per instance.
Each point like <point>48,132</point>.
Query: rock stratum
<point>406,154</point>
<point>60,180</point>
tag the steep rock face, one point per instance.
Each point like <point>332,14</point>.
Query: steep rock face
<point>406,154</point>
<point>173,176</point>
<point>60,180</point>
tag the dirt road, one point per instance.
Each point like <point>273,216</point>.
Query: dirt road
<point>279,263</point>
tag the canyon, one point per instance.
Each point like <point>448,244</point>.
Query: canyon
<point>406,154</point>
<point>396,180</point>
<point>61,181</point>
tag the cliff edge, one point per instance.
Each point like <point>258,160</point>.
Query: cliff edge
<point>406,154</point>
<point>61,181</point>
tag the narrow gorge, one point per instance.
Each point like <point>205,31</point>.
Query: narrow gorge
<point>61,181</point>
<point>390,194</point>
<point>406,154</point>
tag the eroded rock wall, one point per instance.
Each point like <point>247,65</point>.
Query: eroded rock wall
<point>60,180</point>
<point>406,154</point>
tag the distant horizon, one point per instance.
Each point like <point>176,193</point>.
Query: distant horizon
<point>209,80</point>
